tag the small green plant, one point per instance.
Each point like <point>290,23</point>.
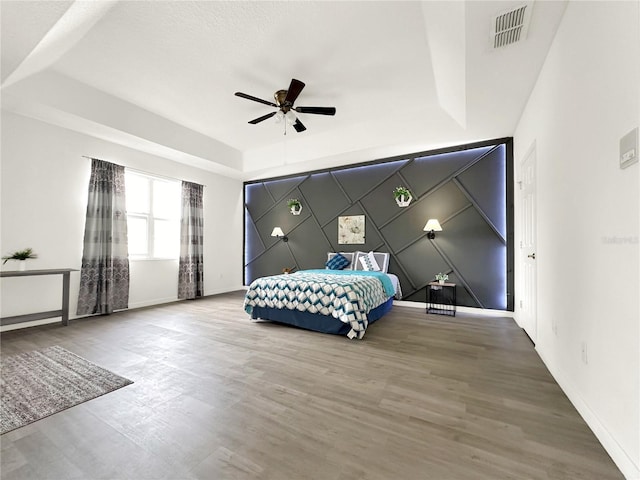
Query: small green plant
<point>20,255</point>
<point>401,192</point>
<point>293,202</point>
<point>442,277</point>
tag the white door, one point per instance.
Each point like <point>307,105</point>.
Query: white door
<point>527,191</point>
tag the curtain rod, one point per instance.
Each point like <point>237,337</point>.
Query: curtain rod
<point>142,171</point>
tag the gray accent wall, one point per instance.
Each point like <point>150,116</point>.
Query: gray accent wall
<point>467,188</point>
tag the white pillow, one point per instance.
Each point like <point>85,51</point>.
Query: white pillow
<point>381,258</point>
<point>369,263</point>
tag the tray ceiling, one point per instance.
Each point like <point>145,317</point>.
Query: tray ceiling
<point>401,75</point>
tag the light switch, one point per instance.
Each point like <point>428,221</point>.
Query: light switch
<point>629,148</point>
<point>628,156</point>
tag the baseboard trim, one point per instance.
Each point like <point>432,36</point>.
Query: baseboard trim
<point>151,303</point>
<point>162,301</point>
<point>627,466</point>
<point>486,312</point>
<point>226,290</point>
<point>34,323</point>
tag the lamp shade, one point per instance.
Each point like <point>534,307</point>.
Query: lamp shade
<point>277,232</point>
<point>432,225</point>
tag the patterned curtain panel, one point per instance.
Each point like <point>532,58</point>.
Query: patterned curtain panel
<point>104,277</point>
<point>191,270</point>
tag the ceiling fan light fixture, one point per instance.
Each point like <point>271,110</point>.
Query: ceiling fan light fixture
<point>286,112</point>
<point>291,117</point>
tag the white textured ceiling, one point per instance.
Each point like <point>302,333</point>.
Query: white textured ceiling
<point>160,76</point>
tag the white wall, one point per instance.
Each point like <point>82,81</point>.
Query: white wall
<point>585,99</point>
<point>44,197</point>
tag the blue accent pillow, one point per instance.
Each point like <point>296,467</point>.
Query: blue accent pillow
<point>338,262</point>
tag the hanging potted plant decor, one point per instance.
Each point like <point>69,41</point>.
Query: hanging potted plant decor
<point>21,256</point>
<point>294,205</point>
<point>403,196</point>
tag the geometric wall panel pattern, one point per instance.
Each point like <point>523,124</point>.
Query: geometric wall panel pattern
<point>467,188</point>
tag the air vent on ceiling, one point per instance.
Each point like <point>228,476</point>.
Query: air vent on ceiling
<point>511,26</point>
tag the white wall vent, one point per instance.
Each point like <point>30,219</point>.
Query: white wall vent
<point>511,26</point>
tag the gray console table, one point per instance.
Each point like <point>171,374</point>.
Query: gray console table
<point>63,312</point>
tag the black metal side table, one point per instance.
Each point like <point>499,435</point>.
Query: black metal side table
<point>441,298</point>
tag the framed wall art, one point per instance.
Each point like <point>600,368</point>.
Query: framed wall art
<point>351,229</point>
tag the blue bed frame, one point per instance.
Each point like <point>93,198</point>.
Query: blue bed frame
<point>315,321</point>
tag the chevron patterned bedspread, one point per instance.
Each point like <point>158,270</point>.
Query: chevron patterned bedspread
<point>347,297</point>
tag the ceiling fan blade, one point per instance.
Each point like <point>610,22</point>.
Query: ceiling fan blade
<point>294,90</point>
<point>317,110</point>
<point>262,118</point>
<point>299,126</point>
<point>255,99</point>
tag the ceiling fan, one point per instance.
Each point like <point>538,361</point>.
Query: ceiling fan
<point>284,103</point>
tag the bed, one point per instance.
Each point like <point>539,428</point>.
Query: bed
<point>345,298</point>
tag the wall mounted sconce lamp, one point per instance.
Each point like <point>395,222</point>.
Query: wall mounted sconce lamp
<point>277,232</point>
<point>432,226</point>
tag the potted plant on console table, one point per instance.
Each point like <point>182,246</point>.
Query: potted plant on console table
<point>22,256</point>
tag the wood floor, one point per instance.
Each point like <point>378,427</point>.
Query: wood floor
<point>219,397</point>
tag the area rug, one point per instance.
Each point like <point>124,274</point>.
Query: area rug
<point>40,383</point>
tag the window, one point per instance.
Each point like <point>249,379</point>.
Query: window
<point>153,216</point>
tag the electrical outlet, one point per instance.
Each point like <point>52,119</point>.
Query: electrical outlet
<point>585,358</point>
